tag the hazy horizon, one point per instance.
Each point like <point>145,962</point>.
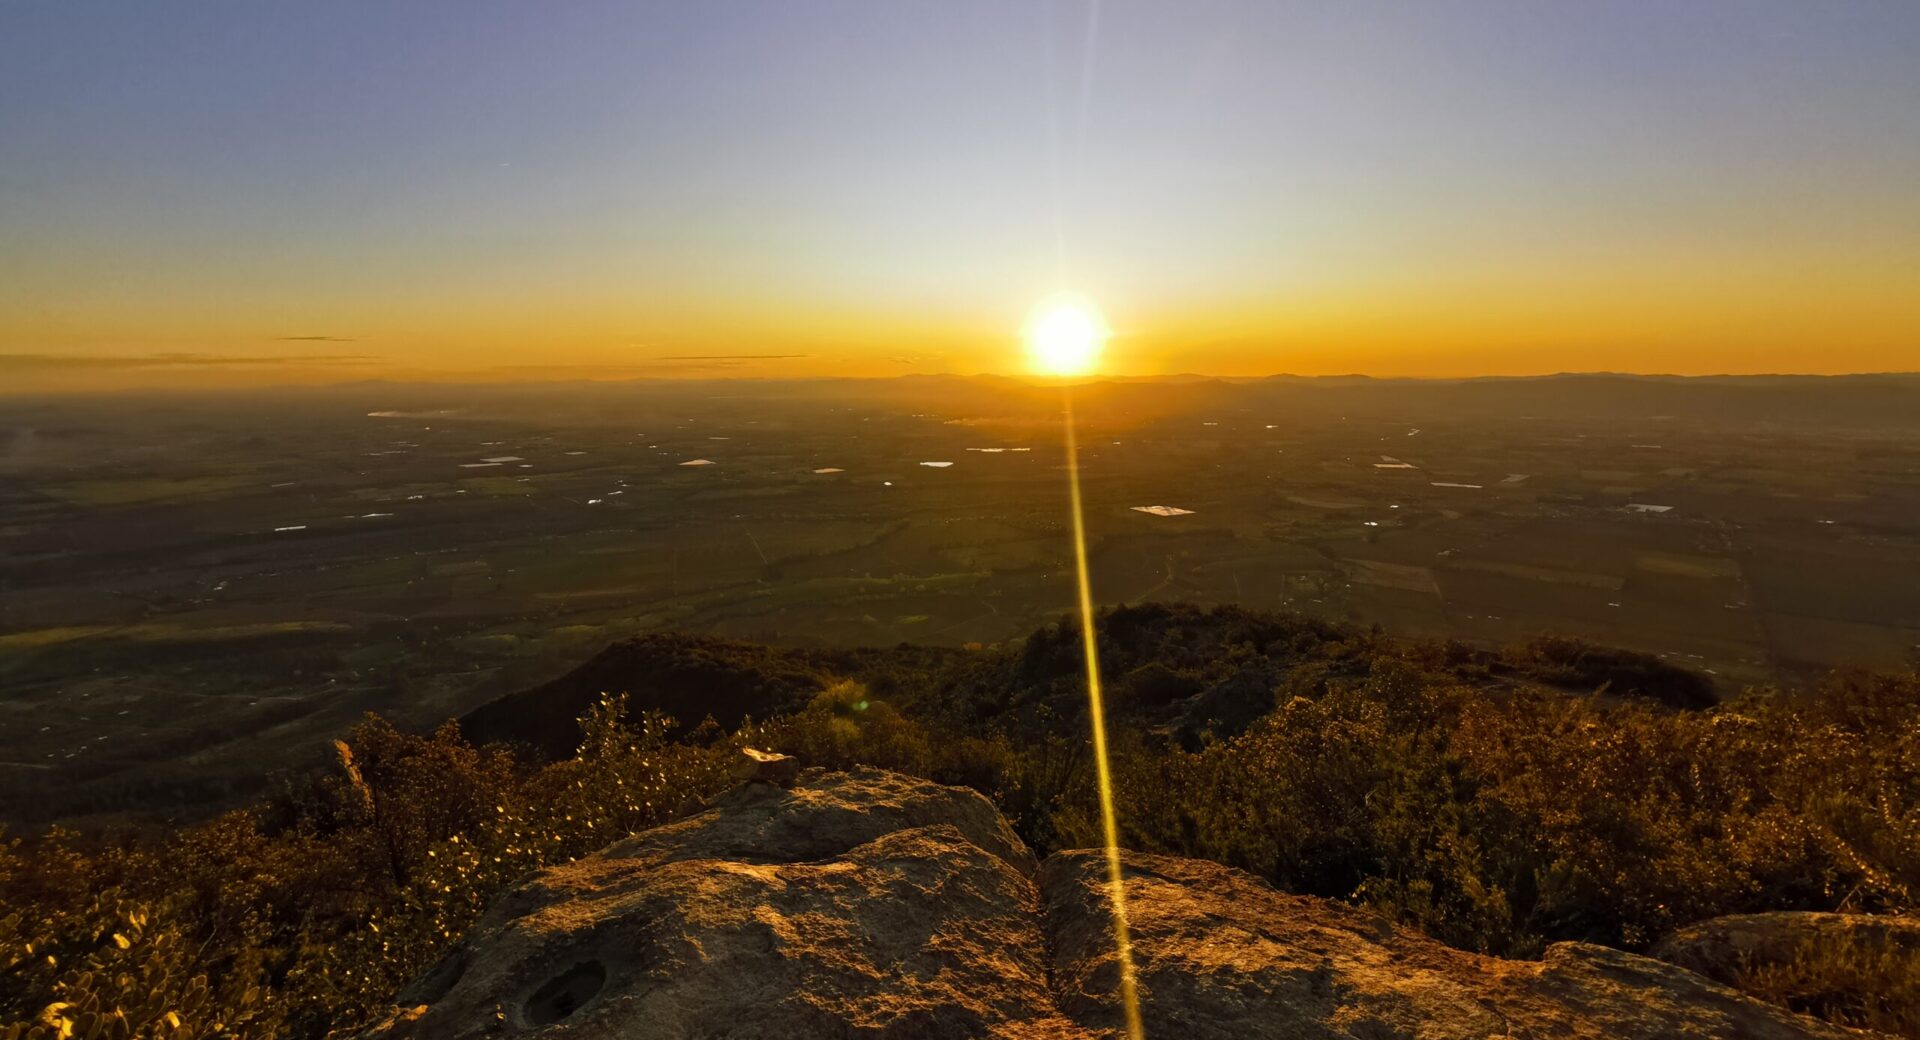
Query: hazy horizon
<point>272,377</point>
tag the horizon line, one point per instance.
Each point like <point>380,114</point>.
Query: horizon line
<point>1027,379</point>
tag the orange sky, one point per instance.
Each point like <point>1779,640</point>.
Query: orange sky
<point>811,190</point>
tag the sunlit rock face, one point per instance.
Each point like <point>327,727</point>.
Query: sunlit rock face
<point>867,904</point>
<point>854,904</point>
<point>1222,954</point>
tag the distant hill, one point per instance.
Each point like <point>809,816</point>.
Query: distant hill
<point>688,677</point>
<point>1853,402</point>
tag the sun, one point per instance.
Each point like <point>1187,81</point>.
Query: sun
<point>1064,336</point>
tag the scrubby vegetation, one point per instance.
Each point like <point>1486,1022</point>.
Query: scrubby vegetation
<point>1865,987</point>
<point>1469,794</point>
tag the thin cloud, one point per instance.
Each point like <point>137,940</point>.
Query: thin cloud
<point>68,362</point>
<point>642,368</point>
<point>732,357</point>
<point>317,339</point>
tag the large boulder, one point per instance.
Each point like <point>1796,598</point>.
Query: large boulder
<point>1219,953</point>
<point>867,904</point>
<point>856,904</point>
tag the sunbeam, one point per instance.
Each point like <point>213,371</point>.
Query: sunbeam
<point>1096,712</point>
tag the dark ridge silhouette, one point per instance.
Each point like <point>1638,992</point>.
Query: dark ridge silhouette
<point>1176,669</point>
<point>687,677</point>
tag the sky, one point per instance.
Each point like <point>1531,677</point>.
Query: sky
<point>231,192</point>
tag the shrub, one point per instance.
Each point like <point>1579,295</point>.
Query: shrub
<point>308,914</point>
<point>1864,987</point>
<point>1497,818</point>
<point>1574,664</point>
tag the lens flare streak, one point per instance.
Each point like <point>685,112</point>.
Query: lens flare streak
<point>1096,711</point>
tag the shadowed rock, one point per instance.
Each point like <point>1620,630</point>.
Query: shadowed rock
<point>766,767</point>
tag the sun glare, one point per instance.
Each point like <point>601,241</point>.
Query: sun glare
<point>1065,336</point>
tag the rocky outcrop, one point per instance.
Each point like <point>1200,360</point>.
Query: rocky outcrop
<point>765,767</point>
<point>860,903</point>
<point>1724,947</point>
<point>867,904</point>
<point>1220,953</point>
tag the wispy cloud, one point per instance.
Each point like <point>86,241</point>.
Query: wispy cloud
<point>69,362</point>
<point>317,339</point>
<point>642,368</point>
<point>732,357</point>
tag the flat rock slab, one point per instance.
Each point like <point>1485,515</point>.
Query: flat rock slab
<point>868,904</point>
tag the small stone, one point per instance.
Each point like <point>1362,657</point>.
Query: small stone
<point>766,767</point>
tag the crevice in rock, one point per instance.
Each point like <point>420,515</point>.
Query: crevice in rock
<point>566,993</point>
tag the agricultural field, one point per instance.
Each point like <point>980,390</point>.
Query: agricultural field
<point>192,587</point>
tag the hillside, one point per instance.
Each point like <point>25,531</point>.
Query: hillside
<point>1177,670</point>
<point>1498,803</point>
<point>871,904</point>
<point>687,677</point>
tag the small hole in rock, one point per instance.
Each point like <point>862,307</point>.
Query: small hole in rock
<point>566,993</point>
